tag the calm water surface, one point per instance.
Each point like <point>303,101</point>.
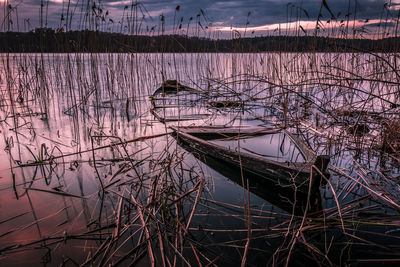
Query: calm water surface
<point>56,108</point>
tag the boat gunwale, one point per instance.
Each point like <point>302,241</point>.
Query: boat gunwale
<point>303,167</point>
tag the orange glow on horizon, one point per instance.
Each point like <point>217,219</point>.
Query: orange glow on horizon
<point>308,26</point>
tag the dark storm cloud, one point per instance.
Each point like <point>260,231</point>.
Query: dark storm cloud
<point>268,11</point>
<point>219,13</point>
<point>386,24</point>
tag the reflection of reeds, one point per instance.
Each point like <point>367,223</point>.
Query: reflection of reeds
<point>391,137</point>
<point>149,203</point>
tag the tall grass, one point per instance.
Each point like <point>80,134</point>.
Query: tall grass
<point>97,171</point>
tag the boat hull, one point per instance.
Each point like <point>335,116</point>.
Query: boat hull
<point>302,177</point>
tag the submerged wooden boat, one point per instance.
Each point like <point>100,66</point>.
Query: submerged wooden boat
<point>298,171</point>
<point>284,198</point>
<point>170,88</point>
<point>173,101</point>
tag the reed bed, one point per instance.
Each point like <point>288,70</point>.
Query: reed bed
<point>90,177</point>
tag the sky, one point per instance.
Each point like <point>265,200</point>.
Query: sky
<point>226,18</point>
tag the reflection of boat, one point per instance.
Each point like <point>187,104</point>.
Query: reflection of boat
<point>284,198</point>
<point>240,147</point>
<point>167,115</point>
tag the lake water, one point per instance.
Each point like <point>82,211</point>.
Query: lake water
<point>72,193</point>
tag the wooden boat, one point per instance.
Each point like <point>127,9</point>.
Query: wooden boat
<point>170,88</point>
<point>284,198</point>
<point>173,101</point>
<point>301,175</point>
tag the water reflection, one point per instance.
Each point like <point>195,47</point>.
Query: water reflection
<point>56,105</point>
<point>284,197</point>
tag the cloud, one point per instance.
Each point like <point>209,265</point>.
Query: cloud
<point>221,13</point>
<point>379,24</point>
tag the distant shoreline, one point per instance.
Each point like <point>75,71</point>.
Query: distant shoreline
<point>49,41</point>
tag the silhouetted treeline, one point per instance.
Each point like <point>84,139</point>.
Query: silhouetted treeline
<point>47,40</point>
